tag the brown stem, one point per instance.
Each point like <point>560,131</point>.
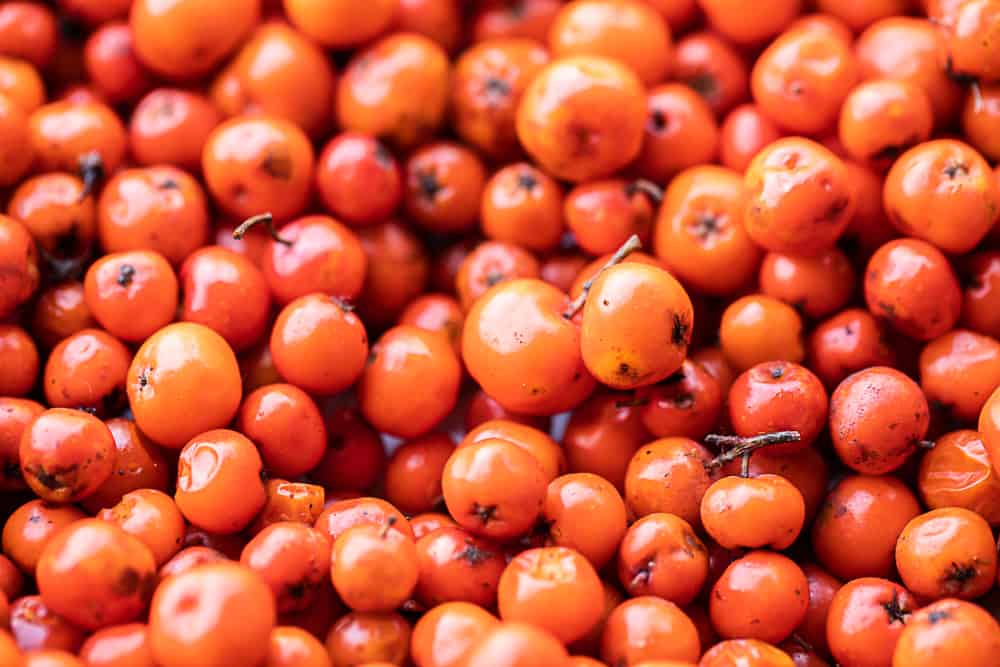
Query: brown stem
<point>265,219</point>
<point>91,168</point>
<point>745,464</point>
<point>632,244</point>
<point>390,521</point>
<point>977,97</point>
<point>646,187</point>
<point>926,444</point>
<point>741,446</point>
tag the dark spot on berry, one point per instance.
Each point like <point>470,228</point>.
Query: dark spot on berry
<point>126,273</point>
<point>428,184</point>
<point>680,330</point>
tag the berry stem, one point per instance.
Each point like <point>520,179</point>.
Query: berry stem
<point>91,170</point>
<point>743,447</point>
<point>646,187</point>
<point>631,245</point>
<point>265,219</point>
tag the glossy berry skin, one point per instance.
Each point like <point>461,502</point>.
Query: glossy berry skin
<point>20,254</point>
<point>734,607</point>
<point>213,614</point>
<point>15,416</point>
<point>445,634</point>
<point>762,511</point>
<point>581,118</point>
<point>227,293</point>
<point>209,33</point>
<point>602,435</point>
<point>316,254</point>
<point>215,465</point>
<point>523,205</point>
<point>29,32</point>
<point>539,444</point>
<point>301,341</point>
<point>404,357</point>
<point>687,403</point>
<point>957,473</point>
<point>699,232</point>
<point>258,163</point>
<point>950,631</point>
<point>603,214</point>
<point>112,65</point>
<point>54,209</point>
<point>374,568</point>
<point>339,24</point>
<point>877,417</point>
<point>442,187</point>
<point>153,518</point>
<point>353,160</point>
<point>31,526</point>
<point>554,588</point>
<point>511,643</point>
<point>628,31</point>
<point>806,470</point>
<point>867,616</point>
<point>750,651</point>
<point>132,294</point>
<point>778,396</point>
<point>369,95</point>
<point>87,370</point>
<point>947,552</point>
<point>799,198</point>
<point>818,285</point>
<point>62,132</point>
<point>354,458</point>
<point>586,513</point>
<point>757,329</point>
<point>883,118</point>
<point>455,565</point>
<point>489,81</point>
<point>494,488</point>
<point>18,361</point>
<point>35,627</point>
<point>117,645</point>
<point>683,463</point>
<point>854,534</point>
<point>66,455</point>
<point>958,371</point>
<point>358,638</point>
<point>530,363</point>
<point>279,72</point>
<point>661,555</point>
<point>631,311</point>
<point>139,464</point>
<point>287,427</point>
<point>744,131</point>
<point>491,263</point>
<point>649,628</point>
<point>910,284</point>
<point>166,378</point>
<point>339,516</point>
<point>171,126</point>
<point>681,132</point>
<point>158,208</point>
<point>112,573</point>
<point>802,78</point>
<point>971,34</point>
<point>850,341</point>
<point>438,313</point>
<point>943,177</point>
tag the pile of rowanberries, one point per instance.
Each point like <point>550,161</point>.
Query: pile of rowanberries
<point>499,333</point>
